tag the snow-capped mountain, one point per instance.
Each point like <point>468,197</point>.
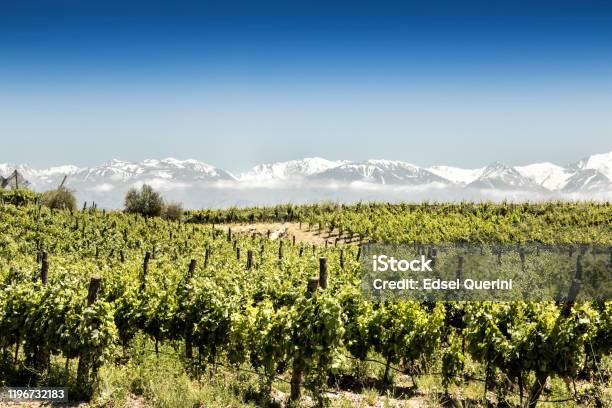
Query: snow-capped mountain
<point>455,174</point>
<point>588,180</point>
<point>165,169</point>
<point>293,169</point>
<point>599,162</point>
<point>497,176</point>
<point>198,184</point>
<point>380,172</point>
<point>548,175</point>
<point>117,171</point>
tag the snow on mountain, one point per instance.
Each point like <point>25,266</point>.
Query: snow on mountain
<point>588,180</point>
<point>497,176</point>
<point>118,172</point>
<point>168,169</point>
<point>198,184</point>
<point>7,168</point>
<point>456,174</point>
<point>600,162</point>
<point>381,172</point>
<point>548,175</point>
<point>292,169</point>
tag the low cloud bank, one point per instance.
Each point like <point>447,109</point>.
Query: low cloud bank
<point>225,193</point>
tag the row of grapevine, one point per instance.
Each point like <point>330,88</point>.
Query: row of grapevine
<point>244,300</point>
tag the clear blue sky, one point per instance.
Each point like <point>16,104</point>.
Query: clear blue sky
<point>236,83</point>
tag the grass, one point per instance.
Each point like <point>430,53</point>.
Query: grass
<point>161,381</point>
<point>150,380</point>
<point>370,395</point>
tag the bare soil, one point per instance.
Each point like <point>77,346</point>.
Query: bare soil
<point>289,230</point>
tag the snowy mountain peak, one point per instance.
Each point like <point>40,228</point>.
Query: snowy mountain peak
<point>456,174</point>
<point>381,172</point>
<point>199,184</point>
<point>292,169</point>
<point>601,162</point>
<point>497,176</point>
<point>548,175</point>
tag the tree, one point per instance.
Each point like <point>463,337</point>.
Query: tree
<point>60,198</point>
<point>146,202</point>
<point>173,211</point>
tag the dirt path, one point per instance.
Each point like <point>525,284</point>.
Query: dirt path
<point>290,230</point>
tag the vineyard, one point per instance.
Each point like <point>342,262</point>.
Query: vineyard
<point>87,291</point>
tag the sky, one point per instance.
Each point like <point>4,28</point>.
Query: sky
<point>238,83</point>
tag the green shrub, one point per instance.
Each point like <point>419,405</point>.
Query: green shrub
<point>20,196</point>
<point>60,199</point>
<point>173,211</point>
<point>146,202</point>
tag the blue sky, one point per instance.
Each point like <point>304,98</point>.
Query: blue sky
<point>236,83</point>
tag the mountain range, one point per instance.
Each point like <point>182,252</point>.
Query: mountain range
<point>314,179</point>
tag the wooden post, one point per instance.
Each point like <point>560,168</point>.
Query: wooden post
<point>249,264</point>
<point>238,254</point>
<point>229,234</point>
<point>459,272</point>
<point>313,283</point>
<point>85,362</point>
<point>323,272</point>
<point>145,270</point>
<point>44,268</point>
<point>206,257</point>
<point>434,257</point>
<point>192,266</point>
<point>358,253</point>
<point>294,240</point>
<point>342,259</point>
<point>296,374</point>
<point>574,288</point>
<point>94,287</point>
<point>301,251</point>
<point>122,256</point>
<point>541,377</point>
<point>280,249</point>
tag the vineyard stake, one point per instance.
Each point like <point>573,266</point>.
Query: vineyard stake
<point>249,264</point>
<point>542,377</point>
<point>85,363</point>
<point>192,266</point>
<point>296,374</point>
<point>145,270</point>
<point>44,270</point>
<point>322,273</point>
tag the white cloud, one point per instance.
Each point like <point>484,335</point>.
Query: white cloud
<point>102,188</point>
<point>163,185</point>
